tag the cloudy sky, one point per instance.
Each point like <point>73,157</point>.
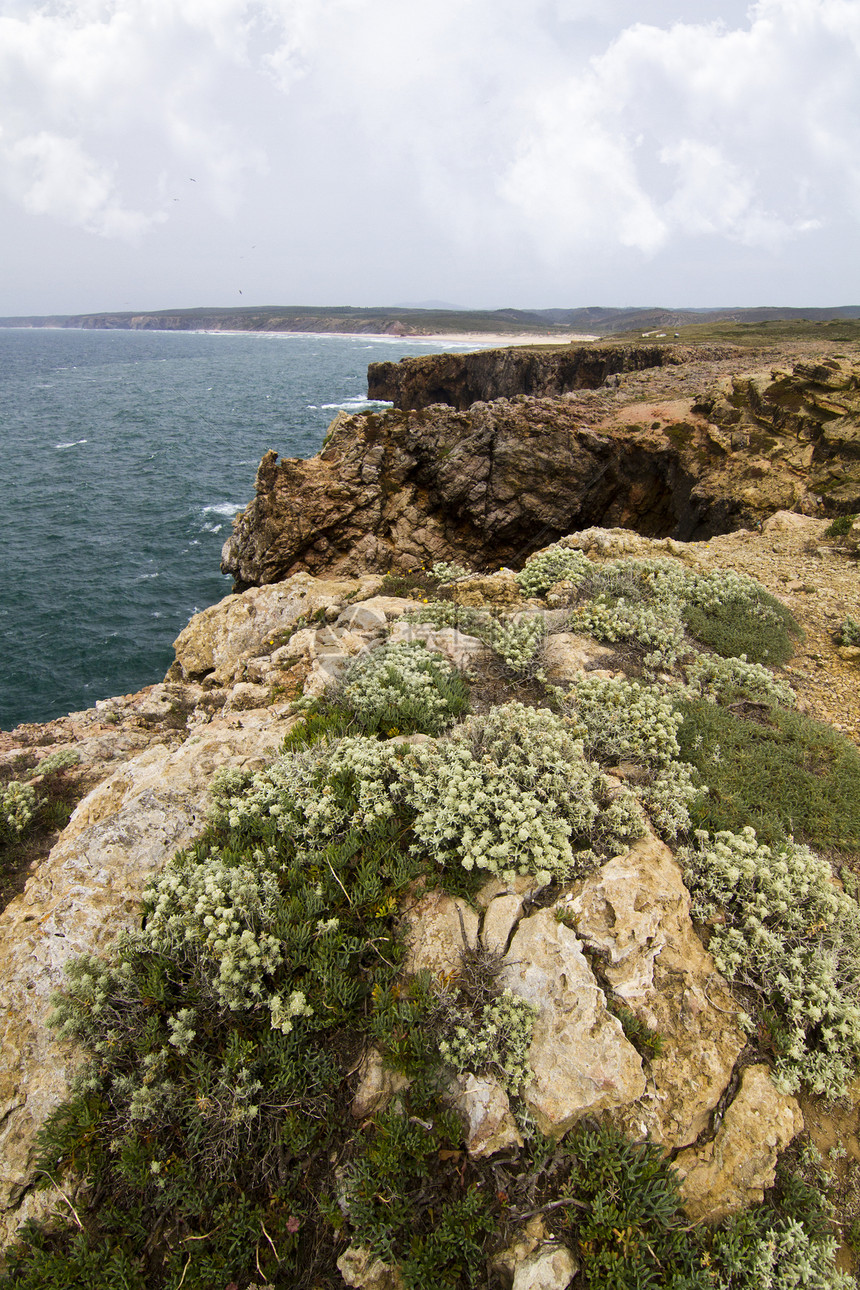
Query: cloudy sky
<point>535,153</point>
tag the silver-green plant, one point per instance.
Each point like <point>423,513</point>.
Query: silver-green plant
<point>446,572</point>
<point>496,1042</point>
<point>405,687</point>
<point>18,805</point>
<point>512,792</point>
<point>716,679</point>
<point>783,929</point>
<point>554,564</point>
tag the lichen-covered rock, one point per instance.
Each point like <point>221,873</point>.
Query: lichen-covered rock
<point>635,913</point>
<point>581,1061</point>
<point>734,1170</point>
<point>378,1084</point>
<point>552,1267</point>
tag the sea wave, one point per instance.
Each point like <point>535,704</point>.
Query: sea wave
<point>74,444</point>
<point>355,402</point>
<point>224,508</point>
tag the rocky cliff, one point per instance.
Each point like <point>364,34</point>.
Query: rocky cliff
<point>463,379</point>
<point>686,450</point>
<point>607,962</point>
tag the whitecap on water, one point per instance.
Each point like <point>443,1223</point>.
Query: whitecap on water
<point>74,444</point>
<point>224,508</point>
<point>357,401</point>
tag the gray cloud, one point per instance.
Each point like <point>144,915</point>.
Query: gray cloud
<point>158,152</point>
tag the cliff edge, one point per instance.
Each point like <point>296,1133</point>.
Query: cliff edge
<point>686,449</point>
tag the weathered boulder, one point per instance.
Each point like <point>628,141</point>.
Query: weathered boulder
<point>635,914</point>
<point>439,929</point>
<point>486,1112</point>
<point>580,1059</point>
<point>733,1171</point>
<point>533,1261</point>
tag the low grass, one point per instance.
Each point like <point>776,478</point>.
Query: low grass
<point>782,772</point>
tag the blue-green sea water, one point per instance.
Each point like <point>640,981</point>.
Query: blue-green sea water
<point>123,457</point>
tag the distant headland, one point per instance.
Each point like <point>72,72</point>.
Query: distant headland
<point>396,321</point>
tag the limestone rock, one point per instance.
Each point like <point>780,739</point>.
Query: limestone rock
<point>486,1110</point>
<point>77,900</point>
<point>497,589</point>
<point>732,1172</point>
<point>635,912</point>
<point>581,1061</point>
<point>501,915</point>
<point>552,1267</point>
<point>215,640</point>
<point>360,1268</point>
<point>440,927</point>
<point>378,1085</point>
<point>567,656</point>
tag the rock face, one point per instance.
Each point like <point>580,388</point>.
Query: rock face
<point>732,1172</point>
<point>463,379</point>
<point>490,483</point>
<point>635,914</point>
<point>581,1061</point>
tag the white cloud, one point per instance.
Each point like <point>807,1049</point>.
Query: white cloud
<point>493,140</point>
<point>52,175</point>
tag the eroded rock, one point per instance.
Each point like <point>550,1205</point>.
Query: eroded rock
<point>734,1170</point>
<point>486,1111</point>
<point>581,1061</point>
<point>360,1268</point>
<point>635,912</point>
<point>439,929</point>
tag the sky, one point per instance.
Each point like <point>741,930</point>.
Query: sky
<point>487,153</point>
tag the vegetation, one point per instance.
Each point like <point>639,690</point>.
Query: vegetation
<point>211,1121</point>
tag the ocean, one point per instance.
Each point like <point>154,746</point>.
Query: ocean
<point>124,457</point>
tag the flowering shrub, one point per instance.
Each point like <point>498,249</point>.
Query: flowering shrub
<point>783,929</point>
<point>17,808</point>
<point>511,792</point>
<point>518,642</point>
<point>555,564</point>
<point>445,572</point>
<point>405,687</point>
<point>625,720</point>
<point>496,1042</point>
<point>717,679</point>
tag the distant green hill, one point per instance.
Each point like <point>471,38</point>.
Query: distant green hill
<point>705,323</point>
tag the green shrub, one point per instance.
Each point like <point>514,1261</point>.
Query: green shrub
<point>735,616</point>
<point>403,688</point>
<point>849,632</point>
<point>780,771</point>
<point>725,680</point>
<point>840,527</point>
<point>783,929</point>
